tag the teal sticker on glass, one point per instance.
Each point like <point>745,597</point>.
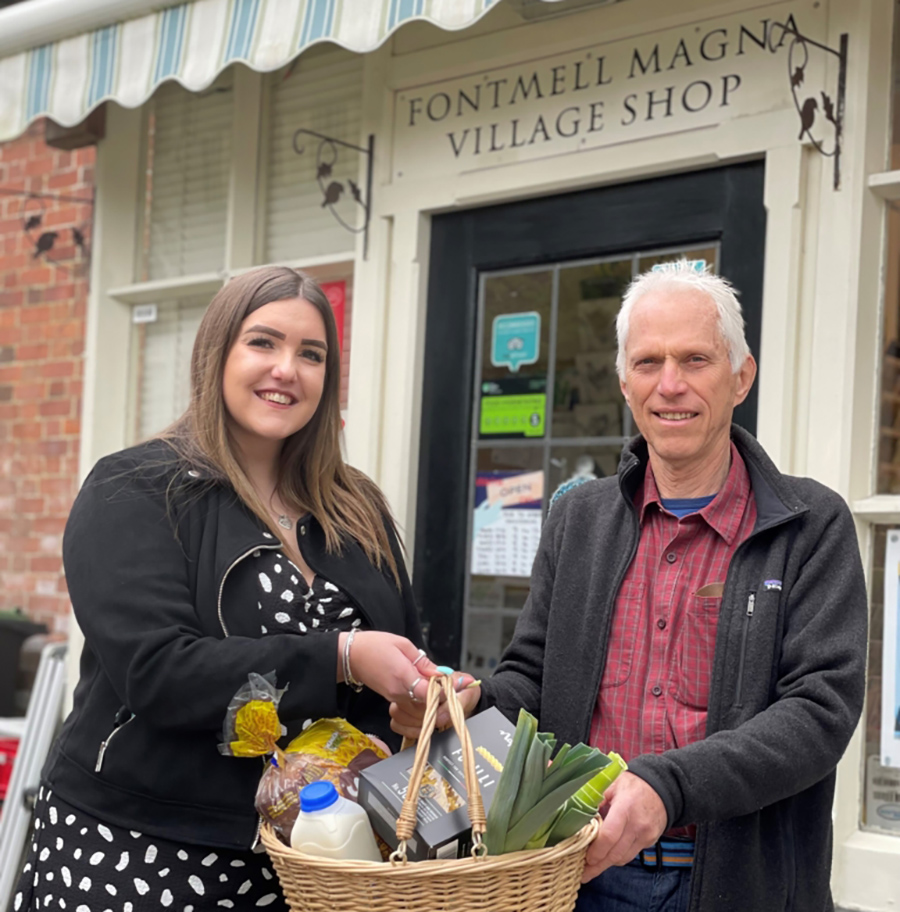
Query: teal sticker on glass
<point>516,340</point>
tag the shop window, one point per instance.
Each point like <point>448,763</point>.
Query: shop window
<point>889,431</point>
<point>322,92</point>
<point>188,161</point>
<point>160,363</point>
<point>881,801</point>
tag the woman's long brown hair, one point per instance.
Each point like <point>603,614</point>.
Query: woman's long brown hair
<point>313,476</point>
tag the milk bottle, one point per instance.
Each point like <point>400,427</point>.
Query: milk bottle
<point>330,825</point>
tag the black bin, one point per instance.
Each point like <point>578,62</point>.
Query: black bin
<point>14,630</point>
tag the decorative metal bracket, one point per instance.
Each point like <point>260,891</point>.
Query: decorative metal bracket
<point>798,58</point>
<point>34,208</point>
<point>327,155</point>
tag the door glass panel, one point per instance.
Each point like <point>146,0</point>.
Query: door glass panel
<point>570,462</point>
<point>515,354</point>
<point>587,401</point>
<point>547,334</point>
<point>506,527</point>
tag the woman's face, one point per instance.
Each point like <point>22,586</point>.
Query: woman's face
<point>275,372</point>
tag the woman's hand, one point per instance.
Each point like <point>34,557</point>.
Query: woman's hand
<point>390,665</point>
<point>406,716</point>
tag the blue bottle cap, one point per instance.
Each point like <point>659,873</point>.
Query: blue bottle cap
<point>317,795</point>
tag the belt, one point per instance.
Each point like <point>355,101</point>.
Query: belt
<point>666,853</point>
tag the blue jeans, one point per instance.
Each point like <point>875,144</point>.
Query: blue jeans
<point>633,888</point>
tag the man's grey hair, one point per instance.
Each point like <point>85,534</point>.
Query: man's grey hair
<point>681,276</point>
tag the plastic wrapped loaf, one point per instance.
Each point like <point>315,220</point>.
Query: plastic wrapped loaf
<point>329,749</point>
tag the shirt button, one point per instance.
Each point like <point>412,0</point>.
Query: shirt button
<point>671,557</point>
<point>657,690</point>
<point>661,623</point>
<point>303,530</point>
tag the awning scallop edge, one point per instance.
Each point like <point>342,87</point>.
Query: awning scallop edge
<point>192,43</point>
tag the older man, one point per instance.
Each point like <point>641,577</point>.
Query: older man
<point>705,616</point>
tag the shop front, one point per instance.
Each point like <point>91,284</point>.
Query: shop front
<point>477,188</point>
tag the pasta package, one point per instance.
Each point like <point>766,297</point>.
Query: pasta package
<point>329,749</point>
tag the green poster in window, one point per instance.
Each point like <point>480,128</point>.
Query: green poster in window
<point>520,415</point>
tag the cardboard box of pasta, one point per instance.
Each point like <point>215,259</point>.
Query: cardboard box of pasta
<point>443,829</point>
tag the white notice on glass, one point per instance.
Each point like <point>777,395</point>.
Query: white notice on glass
<point>507,544</point>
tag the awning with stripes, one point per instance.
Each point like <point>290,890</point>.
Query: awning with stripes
<point>192,43</point>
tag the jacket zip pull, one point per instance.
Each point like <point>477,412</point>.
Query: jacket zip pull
<point>105,743</point>
<point>739,689</point>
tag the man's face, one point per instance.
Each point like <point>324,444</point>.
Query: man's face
<point>678,379</point>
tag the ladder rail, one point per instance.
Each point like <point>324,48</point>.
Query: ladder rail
<point>41,720</point>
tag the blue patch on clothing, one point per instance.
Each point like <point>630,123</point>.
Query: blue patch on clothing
<point>773,584</point>
<point>682,506</point>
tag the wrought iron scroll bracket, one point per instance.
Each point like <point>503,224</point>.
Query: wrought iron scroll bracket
<point>33,210</point>
<point>833,110</point>
<point>327,155</point>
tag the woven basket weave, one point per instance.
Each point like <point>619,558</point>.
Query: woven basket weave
<point>541,880</point>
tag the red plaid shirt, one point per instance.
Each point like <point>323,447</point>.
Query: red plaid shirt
<point>655,686</point>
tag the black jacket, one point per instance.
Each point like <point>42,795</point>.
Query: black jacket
<point>171,634</point>
<point>787,688</point>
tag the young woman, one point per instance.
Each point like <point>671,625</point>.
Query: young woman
<point>236,541</point>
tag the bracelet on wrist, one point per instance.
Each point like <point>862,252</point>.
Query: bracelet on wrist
<point>349,680</point>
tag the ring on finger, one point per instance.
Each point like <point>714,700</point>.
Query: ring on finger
<point>412,689</point>
<point>419,658</point>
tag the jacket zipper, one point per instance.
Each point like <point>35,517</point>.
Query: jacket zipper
<point>231,567</point>
<point>225,577</point>
<point>748,615</point>
<point>105,744</point>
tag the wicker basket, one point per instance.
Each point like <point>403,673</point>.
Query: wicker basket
<point>542,880</point>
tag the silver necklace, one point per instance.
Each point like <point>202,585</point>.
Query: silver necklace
<point>285,521</point>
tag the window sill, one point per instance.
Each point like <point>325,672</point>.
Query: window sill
<point>886,185</point>
<point>165,289</point>
<point>882,509</point>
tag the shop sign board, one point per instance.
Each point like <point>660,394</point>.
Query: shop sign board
<point>659,82</point>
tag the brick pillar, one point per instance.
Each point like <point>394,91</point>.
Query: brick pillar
<point>43,297</point>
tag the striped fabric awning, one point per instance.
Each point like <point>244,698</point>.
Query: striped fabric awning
<point>192,43</point>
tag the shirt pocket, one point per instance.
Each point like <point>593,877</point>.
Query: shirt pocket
<point>626,623</point>
<point>695,649</point>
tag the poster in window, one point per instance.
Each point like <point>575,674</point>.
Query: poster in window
<point>890,676</point>
<point>506,527</point>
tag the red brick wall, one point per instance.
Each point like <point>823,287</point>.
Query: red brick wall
<point>43,299</point>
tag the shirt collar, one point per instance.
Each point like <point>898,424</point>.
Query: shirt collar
<point>726,510</point>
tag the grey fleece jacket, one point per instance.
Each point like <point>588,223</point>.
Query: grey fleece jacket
<point>788,676</point>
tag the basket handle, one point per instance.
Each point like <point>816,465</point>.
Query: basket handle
<point>406,822</point>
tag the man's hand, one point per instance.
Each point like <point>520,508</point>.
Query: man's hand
<point>406,717</point>
<point>634,817</point>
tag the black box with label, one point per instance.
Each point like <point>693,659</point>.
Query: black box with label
<point>443,829</point>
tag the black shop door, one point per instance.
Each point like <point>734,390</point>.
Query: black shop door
<point>520,390</point>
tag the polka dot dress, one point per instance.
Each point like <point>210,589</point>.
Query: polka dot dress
<point>288,605</point>
<point>78,864</point>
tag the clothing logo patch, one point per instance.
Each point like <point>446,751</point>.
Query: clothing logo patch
<point>773,584</point>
